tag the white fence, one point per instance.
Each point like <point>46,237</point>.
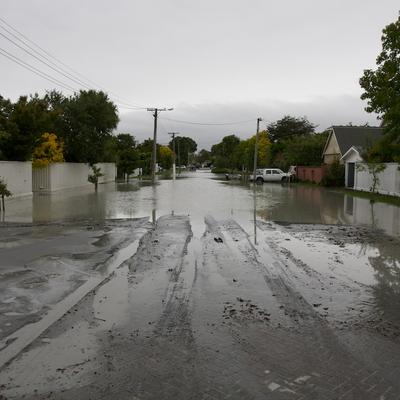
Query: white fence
<point>18,177</point>
<point>389,179</point>
<point>60,176</point>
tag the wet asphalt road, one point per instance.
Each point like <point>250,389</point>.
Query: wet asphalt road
<point>211,305</point>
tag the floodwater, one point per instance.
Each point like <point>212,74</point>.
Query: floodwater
<point>282,292</point>
<point>200,193</point>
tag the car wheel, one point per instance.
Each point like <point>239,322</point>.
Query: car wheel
<point>259,180</point>
<point>284,179</point>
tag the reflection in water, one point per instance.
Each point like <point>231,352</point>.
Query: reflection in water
<point>387,274</point>
<point>376,215</point>
<point>199,195</point>
<point>255,214</point>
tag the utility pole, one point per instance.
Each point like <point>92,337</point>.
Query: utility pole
<point>256,151</point>
<point>179,158</point>
<point>173,149</point>
<point>154,155</point>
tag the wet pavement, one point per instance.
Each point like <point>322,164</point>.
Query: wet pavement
<point>199,289</point>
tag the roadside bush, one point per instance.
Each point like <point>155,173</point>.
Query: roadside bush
<point>334,175</point>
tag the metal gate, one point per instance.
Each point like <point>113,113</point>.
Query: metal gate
<point>41,179</point>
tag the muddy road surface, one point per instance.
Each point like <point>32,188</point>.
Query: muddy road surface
<point>200,306</point>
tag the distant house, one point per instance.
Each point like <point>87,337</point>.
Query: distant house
<point>343,138</point>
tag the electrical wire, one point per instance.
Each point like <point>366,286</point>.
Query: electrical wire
<point>57,68</point>
<point>208,123</point>
<point>36,71</point>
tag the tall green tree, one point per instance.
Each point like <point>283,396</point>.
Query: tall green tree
<point>203,156</point>
<point>300,150</point>
<point>22,125</point>
<point>224,152</point>
<point>89,118</point>
<point>382,90</point>
<point>6,127</point>
<point>183,147</point>
<point>289,127</point>
<point>127,155</point>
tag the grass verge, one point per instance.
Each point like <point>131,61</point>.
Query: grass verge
<point>377,197</point>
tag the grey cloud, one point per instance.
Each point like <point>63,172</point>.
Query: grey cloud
<point>323,112</point>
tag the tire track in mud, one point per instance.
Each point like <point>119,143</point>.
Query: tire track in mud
<point>335,372</point>
<point>158,362</point>
<point>149,362</point>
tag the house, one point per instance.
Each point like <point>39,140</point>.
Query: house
<point>342,138</point>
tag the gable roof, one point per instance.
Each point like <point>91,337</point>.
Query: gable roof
<point>357,136</point>
<point>352,149</point>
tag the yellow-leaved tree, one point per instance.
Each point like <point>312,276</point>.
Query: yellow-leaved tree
<point>49,150</point>
<point>165,157</point>
<point>263,153</point>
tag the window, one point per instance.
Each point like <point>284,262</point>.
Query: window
<point>275,172</point>
<point>268,172</point>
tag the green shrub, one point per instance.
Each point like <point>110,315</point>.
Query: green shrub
<point>334,175</point>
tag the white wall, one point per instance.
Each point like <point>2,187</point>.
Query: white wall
<point>389,179</point>
<point>70,175</point>
<point>109,170</point>
<point>18,176</point>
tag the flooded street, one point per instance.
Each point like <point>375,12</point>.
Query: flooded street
<point>199,289</point>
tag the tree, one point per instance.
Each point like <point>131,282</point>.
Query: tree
<point>183,147</point>
<point>126,154</point>
<point>373,169</point>
<point>299,150</point>
<point>89,118</point>
<point>382,89</point>
<point>165,157</point>
<point>49,150</point>
<point>26,120</point>
<point>128,161</point>
<point>203,156</point>
<point>4,192</point>
<point>95,175</point>
<point>372,165</point>
<point>288,127</point>
<point>145,155</point>
<point>6,128</point>
<point>244,152</point>
<point>224,152</point>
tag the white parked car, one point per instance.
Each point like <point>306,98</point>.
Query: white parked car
<point>270,175</point>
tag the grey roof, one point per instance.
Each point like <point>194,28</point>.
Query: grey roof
<point>357,136</point>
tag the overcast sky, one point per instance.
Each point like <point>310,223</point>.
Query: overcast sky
<point>214,61</point>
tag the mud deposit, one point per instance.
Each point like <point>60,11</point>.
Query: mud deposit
<point>308,312</point>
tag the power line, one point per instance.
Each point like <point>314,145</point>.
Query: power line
<point>209,123</point>
<point>44,75</point>
<point>56,67</point>
<point>44,62</point>
<point>35,70</point>
<point>38,53</point>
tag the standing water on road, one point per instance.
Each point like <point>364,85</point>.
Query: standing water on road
<point>197,194</point>
<point>199,288</point>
